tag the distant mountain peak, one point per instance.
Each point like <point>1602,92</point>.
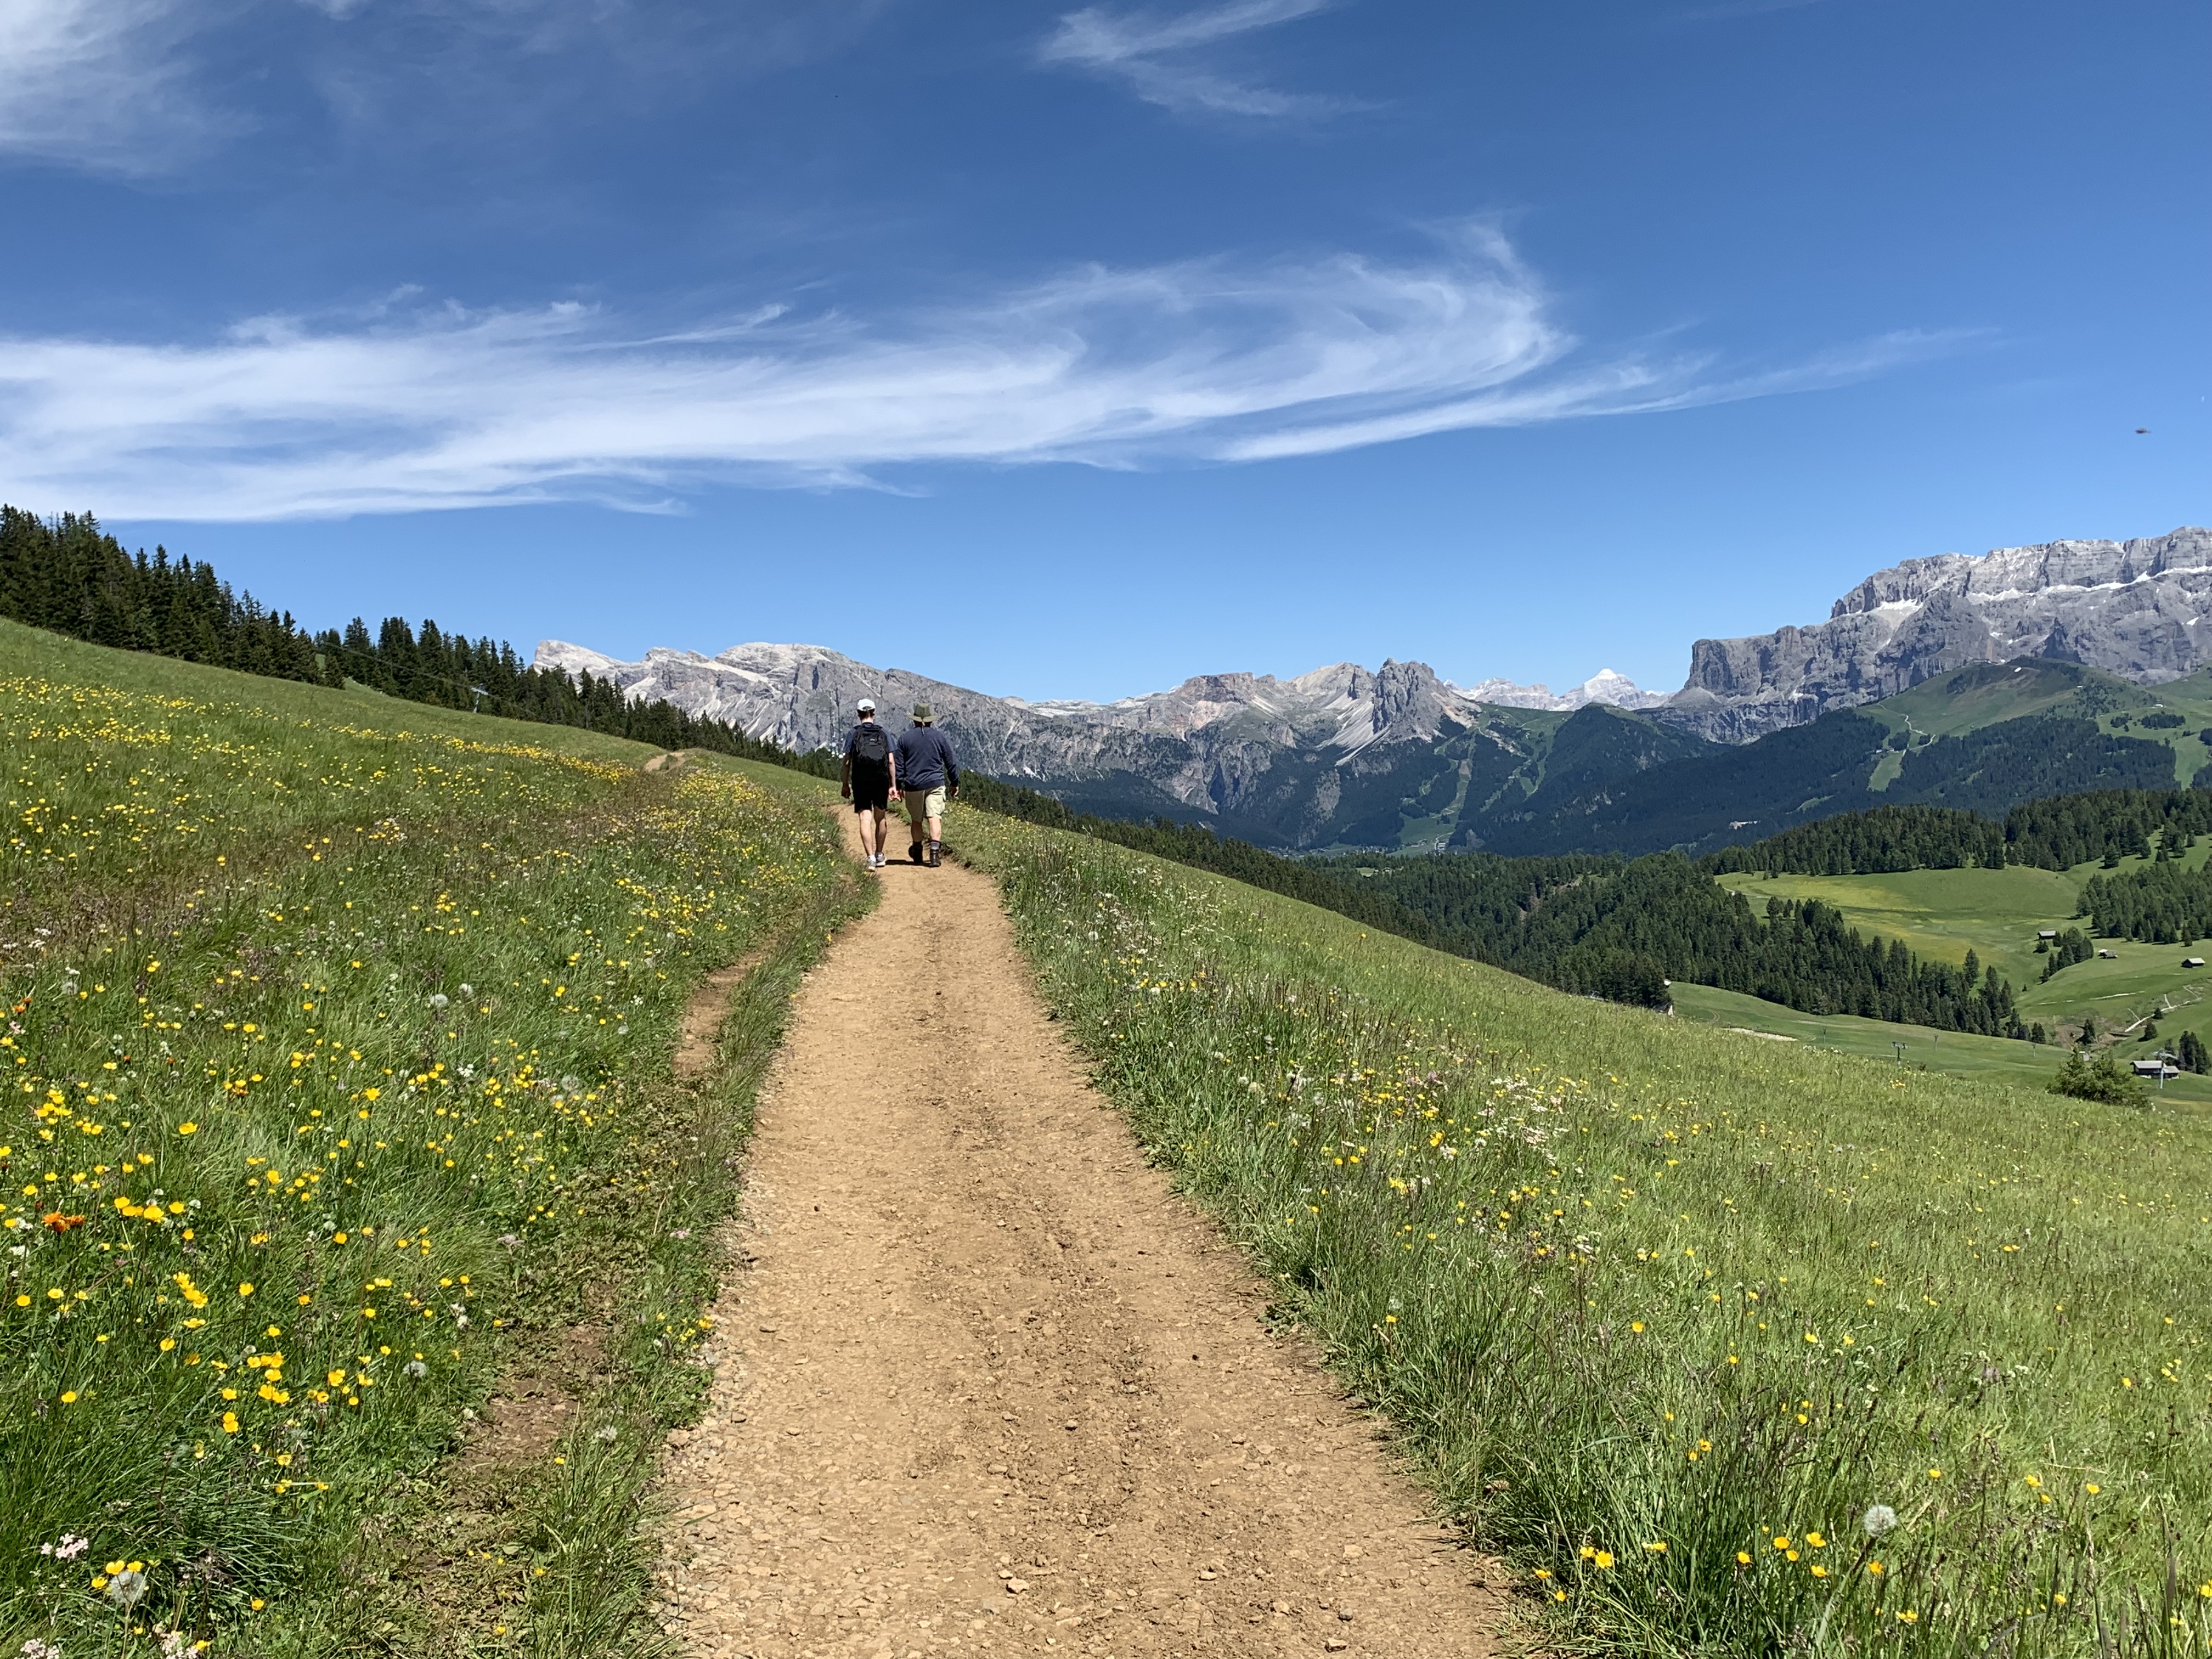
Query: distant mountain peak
<point>1209,746</point>
<point>2141,609</point>
<point>1605,686</point>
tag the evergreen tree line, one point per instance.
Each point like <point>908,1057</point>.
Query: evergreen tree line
<point>1199,847</point>
<point>1618,931</point>
<point>1586,923</point>
<point>2102,826</point>
<point>68,575</point>
<point>2161,903</point>
<point>1877,842</point>
<point>2070,947</point>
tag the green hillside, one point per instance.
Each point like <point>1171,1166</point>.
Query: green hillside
<point>1943,913</point>
<point>340,1030</point>
<point>1956,1054</point>
<point>1988,693</point>
<point>1983,739</point>
<point>1732,1346</point>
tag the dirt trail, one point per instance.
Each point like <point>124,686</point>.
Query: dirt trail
<point>986,1387</point>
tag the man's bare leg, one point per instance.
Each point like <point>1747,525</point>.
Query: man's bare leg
<point>872,833</point>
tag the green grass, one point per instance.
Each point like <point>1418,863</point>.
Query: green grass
<point>342,1091</point>
<point>1941,913</point>
<point>1957,1054</point>
<point>1641,1299</point>
<point>1993,694</point>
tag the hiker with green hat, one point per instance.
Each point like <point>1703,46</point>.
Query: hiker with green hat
<point>926,779</point>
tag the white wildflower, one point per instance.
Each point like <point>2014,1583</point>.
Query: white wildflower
<point>128,1587</point>
<point>437,999</point>
<point>1878,1520</point>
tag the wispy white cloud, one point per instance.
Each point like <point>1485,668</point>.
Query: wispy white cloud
<point>147,86</point>
<point>1208,362</point>
<point>102,83</point>
<point>1625,385</point>
<point>1155,55</point>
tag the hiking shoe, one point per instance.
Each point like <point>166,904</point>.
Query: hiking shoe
<point>914,853</point>
<point>934,851</point>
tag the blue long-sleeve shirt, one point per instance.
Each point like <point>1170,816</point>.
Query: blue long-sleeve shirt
<point>925,760</point>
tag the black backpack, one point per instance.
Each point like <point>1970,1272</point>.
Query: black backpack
<point>871,744</point>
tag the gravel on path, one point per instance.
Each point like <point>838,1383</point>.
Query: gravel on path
<point>985,1386</point>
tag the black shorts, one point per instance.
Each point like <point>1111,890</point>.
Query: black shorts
<point>871,790</point>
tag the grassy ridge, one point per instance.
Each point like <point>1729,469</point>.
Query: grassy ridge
<point>342,1090</point>
<point>1731,1347</point>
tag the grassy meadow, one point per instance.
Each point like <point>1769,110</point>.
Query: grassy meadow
<point>1958,1053</point>
<point>1943,913</point>
<point>339,1031</point>
<point>1730,1345</point>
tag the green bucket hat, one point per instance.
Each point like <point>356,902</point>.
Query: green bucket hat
<point>921,711</point>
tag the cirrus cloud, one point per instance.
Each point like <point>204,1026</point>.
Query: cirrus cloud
<point>1156,55</point>
<point>1204,362</point>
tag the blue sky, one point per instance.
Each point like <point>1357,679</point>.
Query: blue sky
<point>1067,351</point>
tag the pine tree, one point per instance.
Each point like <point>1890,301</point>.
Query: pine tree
<point>2098,1077</point>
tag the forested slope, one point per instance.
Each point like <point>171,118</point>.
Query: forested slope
<point>1598,926</point>
<point>69,576</point>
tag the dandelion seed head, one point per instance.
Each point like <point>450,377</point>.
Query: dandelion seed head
<point>1878,1520</point>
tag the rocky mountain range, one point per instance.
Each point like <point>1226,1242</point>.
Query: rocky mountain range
<point>1246,750</point>
<point>1397,756</point>
<point>2141,609</point>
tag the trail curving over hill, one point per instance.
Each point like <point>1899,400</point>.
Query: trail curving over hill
<point>988,1387</point>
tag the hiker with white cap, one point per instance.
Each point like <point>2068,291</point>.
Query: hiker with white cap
<point>924,761</point>
<point>869,779</point>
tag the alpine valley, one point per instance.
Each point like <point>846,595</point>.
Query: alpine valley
<point>1975,683</point>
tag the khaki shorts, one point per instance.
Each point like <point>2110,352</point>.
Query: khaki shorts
<point>923,804</point>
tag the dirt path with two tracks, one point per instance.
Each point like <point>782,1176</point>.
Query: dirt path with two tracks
<point>988,1387</point>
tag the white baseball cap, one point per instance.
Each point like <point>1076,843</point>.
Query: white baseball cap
<point>868,705</point>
